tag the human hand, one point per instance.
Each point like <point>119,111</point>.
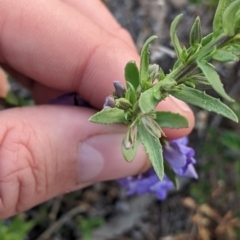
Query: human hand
<point>54,47</point>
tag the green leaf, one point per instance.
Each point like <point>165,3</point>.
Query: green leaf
<point>147,101</point>
<point>237,22</point>
<point>109,116</point>
<point>229,18</point>
<point>171,120</point>
<point>218,18</point>
<point>144,62</point>
<point>233,48</point>
<point>201,99</point>
<point>196,33</point>
<point>214,80</point>
<point>130,153</point>
<point>132,74</point>
<point>184,55</point>
<point>231,140</point>
<point>154,150</point>
<point>173,35</point>
<point>131,94</point>
<point>161,74</point>
<point>207,39</point>
<point>222,55</point>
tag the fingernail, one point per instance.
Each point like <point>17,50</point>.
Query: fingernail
<point>94,153</point>
<point>180,104</point>
<point>91,162</point>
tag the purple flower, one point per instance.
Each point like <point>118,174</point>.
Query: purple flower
<point>70,99</point>
<point>147,182</point>
<point>179,157</point>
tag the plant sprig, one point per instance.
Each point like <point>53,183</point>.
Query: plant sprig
<point>134,105</point>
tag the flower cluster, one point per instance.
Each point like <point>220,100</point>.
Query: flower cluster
<point>181,159</point>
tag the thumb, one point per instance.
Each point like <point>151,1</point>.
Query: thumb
<point>50,150</point>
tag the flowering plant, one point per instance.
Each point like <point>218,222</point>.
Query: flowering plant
<point>134,105</point>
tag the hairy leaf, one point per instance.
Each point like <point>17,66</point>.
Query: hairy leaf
<point>174,37</point>
<point>171,120</point>
<point>147,101</point>
<point>229,18</point>
<point>108,116</point>
<point>144,62</point>
<point>218,18</point>
<point>132,74</point>
<point>222,55</point>
<point>233,48</point>
<point>214,80</point>
<point>131,94</point>
<point>154,150</point>
<point>201,99</point>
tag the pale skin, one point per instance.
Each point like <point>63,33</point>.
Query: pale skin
<point>53,47</point>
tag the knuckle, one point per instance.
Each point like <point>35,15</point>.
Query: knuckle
<point>21,175</point>
<point>124,34</point>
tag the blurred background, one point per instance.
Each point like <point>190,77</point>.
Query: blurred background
<point>207,209</point>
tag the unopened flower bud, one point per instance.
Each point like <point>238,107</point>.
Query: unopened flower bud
<point>109,102</point>
<point>153,71</point>
<point>119,89</point>
<point>123,103</point>
<point>130,138</point>
<point>152,126</point>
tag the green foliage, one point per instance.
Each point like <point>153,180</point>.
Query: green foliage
<point>171,120</point>
<point>214,79</point>
<point>132,74</point>
<point>144,62</point>
<point>147,86</point>
<point>154,150</point>
<point>231,140</point>
<point>16,229</point>
<point>201,99</point>
<point>18,101</point>
<point>109,116</point>
<point>205,2</point>
<point>220,153</point>
<point>87,225</point>
<point>173,35</point>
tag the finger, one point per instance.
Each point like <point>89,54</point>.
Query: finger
<point>43,94</point>
<point>40,93</point>
<point>104,19</point>
<point>55,41</point>
<point>4,85</point>
<point>50,150</point>
<point>61,48</point>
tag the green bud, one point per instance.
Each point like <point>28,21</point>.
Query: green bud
<point>195,37</point>
<point>123,103</point>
